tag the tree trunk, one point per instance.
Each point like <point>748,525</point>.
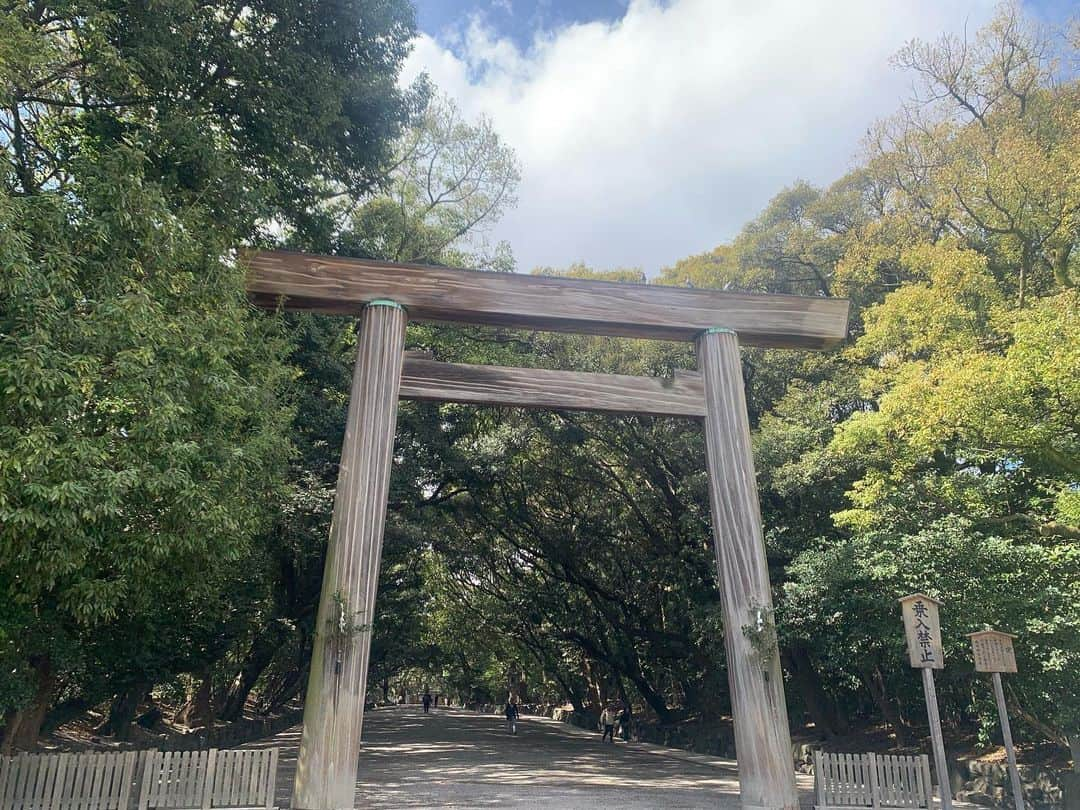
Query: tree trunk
<point>122,712</point>
<point>1061,265</point>
<point>198,711</point>
<point>595,697</point>
<point>289,688</point>
<point>631,671</point>
<point>7,730</point>
<point>258,658</point>
<point>875,683</point>
<point>1026,265</point>
<point>284,686</point>
<point>655,700</point>
<point>625,697</point>
<point>696,698</point>
<point>24,725</point>
<point>570,692</point>
<point>819,704</point>
<point>1045,729</point>
<point>1074,749</point>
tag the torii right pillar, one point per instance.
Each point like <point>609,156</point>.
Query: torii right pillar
<point>762,738</point>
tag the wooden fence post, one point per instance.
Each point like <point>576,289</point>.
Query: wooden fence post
<point>762,737</point>
<point>337,683</point>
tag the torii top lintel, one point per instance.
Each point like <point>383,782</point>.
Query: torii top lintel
<point>339,285</point>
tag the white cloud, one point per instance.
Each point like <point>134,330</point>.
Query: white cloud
<point>657,136</point>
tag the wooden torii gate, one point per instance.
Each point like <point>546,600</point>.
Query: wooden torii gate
<point>384,295</point>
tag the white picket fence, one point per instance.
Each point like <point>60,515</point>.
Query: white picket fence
<point>871,780</point>
<point>202,780</point>
<point>67,781</point>
<point>170,780</point>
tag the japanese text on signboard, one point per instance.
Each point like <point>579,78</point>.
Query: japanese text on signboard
<point>993,652</point>
<point>923,628</point>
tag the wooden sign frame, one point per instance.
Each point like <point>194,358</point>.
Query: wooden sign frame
<point>993,651</point>
<point>923,632</point>
<point>384,296</point>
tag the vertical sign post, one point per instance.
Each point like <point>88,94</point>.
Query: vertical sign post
<point>922,626</point>
<point>993,653</point>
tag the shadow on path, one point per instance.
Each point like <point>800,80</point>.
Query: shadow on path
<point>459,759</point>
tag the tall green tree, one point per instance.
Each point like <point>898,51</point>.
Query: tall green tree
<point>145,406</point>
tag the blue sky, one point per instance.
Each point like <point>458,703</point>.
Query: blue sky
<point>519,20</point>
<point>516,19</point>
<point>649,130</point>
<point>1054,11</point>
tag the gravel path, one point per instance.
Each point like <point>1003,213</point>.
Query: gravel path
<point>460,759</point>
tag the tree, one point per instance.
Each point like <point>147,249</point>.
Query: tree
<point>264,103</point>
<point>451,180</point>
<point>143,424</point>
<point>988,152</point>
<point>145,405</point>
<point>961,436</point>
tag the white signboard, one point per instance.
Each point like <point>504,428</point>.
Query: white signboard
<point>993,651</point>
<point>923,629</point>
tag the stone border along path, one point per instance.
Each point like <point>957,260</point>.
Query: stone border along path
<point>454,758</point>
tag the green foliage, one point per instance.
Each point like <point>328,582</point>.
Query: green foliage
<point>263,104</point>
<point>145,434</point>
<point>451,180</point>
<point>951,467</point>
<point>142,429</point>
<point>1027,588</point>
<point>168,457</point>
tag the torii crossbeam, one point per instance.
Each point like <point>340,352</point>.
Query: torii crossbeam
<point>384,295</point>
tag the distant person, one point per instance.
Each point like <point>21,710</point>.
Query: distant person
<point>624,723</point>
<point>607,720</point>
<point>427,701</point>
<point>511,716</point>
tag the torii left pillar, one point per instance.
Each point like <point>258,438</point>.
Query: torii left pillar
<point>337,684</point>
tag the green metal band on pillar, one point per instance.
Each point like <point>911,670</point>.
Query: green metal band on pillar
<point>719,330</point>
<point>385,302</point>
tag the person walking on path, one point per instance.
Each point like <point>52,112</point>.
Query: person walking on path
<point>427,701</point>
<point>607,720</point>
<point>624,722</point>
<point>511,716</point>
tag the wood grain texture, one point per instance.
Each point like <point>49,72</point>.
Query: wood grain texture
<point>843,781</point>
<point>342,286</point>
<point>941,765</point>
<point>207,780</point>
<point>544,388</point>
<point>334,704</point>
<point>762,737</point>
<point>1006,737</point>
<point>86,781</point>
<point>177,780</point>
